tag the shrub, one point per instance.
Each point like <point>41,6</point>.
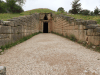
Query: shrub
<point>84,43</point>
<point>85,12</point>
<point>18,9</point>
<point>61,9</point>
<point>92,13</point>
<point>79,41</point>
<point>67,36</point>
<point>96,11</point>
<point>76,7</point>
<point>98,48</point>
<point>3,6</point>
<point>72,37</point>
<point>90,45</point>
<point>13,7</point>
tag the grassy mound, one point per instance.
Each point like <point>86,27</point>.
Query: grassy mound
<point>5,16</point>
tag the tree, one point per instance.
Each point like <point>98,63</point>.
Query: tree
<point>13,7</point>
<point>60,9</point>
<point>3,7</point>
<point>96,11</point>
<point>92,13</point>
<point>21,2</point>
<point>76,7</point>
<point>70,11</point>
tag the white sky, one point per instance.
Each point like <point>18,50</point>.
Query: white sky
<point>55,4</point>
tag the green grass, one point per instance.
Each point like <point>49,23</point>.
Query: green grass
<point>79,16</point>
<point>73,38</point>
<point>7,46</point>
<point>5,16</point>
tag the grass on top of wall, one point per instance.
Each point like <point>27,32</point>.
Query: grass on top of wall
<point>84,17</point>
<point>5,16</point>
<point>7,46</point>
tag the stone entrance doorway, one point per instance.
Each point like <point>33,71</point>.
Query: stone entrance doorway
<point>45,27</point>
<point>45,22</point>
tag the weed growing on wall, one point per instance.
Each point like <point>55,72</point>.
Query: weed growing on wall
<point>84,43</point>
<point>79,42</point>
<point>90,45</point>
<point>67,36</point>
<point>73,38</point>
<point>97,49</point>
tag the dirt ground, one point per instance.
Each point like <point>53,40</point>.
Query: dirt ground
<point>50,54</point>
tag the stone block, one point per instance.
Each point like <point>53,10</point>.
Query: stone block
<point>91,26</point>
<point>90,32</point>
<point>4,41</point>
<point>2,70</point>
<point>2,22</point>
<point>5,29</point>
<point>80,27</point>
<point>97,29</point>
<point>4,36</point>
<point>76,27</point>
<point>16,30</point>
<point>94,40</point>
<point>96,33</point>
<point>78,23</point>
<point>81,35</point>
<point>91,22</point>
<point>71,27</point>
<point>71,23</point>
<point>76,34</point>
<point>8,23</point>
<point>16,37</point>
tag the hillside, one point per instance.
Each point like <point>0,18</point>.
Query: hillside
<point>6,16</point>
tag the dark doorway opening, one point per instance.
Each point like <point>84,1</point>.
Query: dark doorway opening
<point>45,17</point>
<point>45,27</point>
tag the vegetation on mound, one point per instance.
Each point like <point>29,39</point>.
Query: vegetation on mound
<point>88,17</point>
<point>5,16</point>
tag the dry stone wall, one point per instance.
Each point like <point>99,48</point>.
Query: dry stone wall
<point>17,28</point>
<point>83,30</point>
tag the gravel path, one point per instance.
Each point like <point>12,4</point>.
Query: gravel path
<point>50,54</point>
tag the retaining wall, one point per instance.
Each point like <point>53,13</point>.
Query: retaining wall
<point>83,30</point>
<point>16,28</point>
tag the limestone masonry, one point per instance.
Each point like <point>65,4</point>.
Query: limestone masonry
<point>17,28</point>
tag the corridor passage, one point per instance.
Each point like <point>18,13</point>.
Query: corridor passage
<point>50,54</point>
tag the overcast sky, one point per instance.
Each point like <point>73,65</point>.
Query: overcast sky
<point>55,4</point>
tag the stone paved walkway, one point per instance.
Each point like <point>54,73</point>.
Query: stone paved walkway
<point>50,54</point>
